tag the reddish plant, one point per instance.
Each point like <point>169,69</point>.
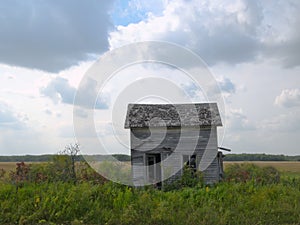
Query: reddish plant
<point>20,175</point>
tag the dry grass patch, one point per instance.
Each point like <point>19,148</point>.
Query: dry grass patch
<point>7,166</point>
<point>282,166</point>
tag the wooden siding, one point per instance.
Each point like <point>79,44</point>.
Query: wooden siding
<point>211,174</point>
<point>138,169</point>
<point>161,140</point>
<point>172,151</point>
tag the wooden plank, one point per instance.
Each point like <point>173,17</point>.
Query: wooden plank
<point>138,170</point>
<point>185,143</point>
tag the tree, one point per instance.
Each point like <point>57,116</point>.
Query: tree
<point>65,162</point>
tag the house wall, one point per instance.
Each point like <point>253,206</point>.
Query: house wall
<point>174,142</point>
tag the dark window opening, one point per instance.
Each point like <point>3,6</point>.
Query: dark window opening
<point>190,161</point>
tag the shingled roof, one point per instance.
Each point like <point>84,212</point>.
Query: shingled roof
<point>172,115</point>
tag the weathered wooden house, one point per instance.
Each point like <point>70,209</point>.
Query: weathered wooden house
<point>164,137</point>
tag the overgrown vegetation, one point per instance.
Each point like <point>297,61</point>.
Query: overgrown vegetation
<point>66,203</point>
<point>189,178</point>
<point>249,172</point>
<point>46,194</point>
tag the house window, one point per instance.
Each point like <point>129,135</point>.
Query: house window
<point>190,160</point>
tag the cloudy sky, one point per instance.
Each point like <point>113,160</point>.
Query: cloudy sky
<point>251,47</point>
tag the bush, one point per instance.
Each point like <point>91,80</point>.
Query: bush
<point>117,171</point>
<point>2,174</point>
<point>56,172</point>
<point>189,178</point>
<point>87,174</point>
<point>20,175</point>
<point>249,172</point>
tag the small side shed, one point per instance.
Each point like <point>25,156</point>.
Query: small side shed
<point>165,137</point>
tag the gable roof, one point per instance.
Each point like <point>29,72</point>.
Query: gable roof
<point>172,115</point>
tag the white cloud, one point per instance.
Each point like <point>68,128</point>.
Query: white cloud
<point>9,119</point>
<point>225,86</point>
<point>285,122</point>
<point>237,121</point>
<point>193,91</point>
<point>288,98</point>
<point>59,90</point>
<point>264,34</point>
<point>31,141</point>
<point>222,85</point>
<point>48,111</point>
<point>87,96</point>
<point>223,31</point>
<point>218,32</point>
<point>282,39</point>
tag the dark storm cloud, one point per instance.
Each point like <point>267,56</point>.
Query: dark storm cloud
<point>52,35</point>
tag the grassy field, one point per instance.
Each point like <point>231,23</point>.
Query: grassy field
<point>282,166</point>
<point>250,198</point>
<point>7,166</point>
<point>285,167</point>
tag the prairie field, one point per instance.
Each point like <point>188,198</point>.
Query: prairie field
<point>282,166</point>
<point>7,166</point>
<point>285,167</point>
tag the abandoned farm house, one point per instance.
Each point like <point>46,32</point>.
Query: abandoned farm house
<point>164,137</point>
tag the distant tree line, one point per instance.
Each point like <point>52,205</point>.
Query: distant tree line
<point>260,157</point>
<point>49,157</point>
<point>124,158</point>
<point>26,158</point>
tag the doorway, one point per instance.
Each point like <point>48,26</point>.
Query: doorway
<point>154,168</point>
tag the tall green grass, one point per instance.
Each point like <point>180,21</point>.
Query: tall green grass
<point>249,195</point>
<point>86,203</point>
